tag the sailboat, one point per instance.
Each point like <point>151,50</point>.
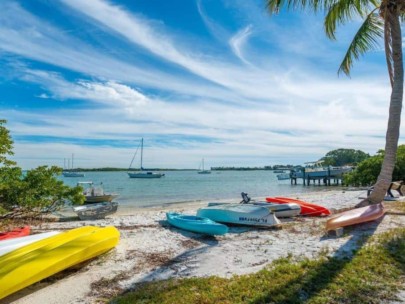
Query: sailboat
<point>142,173</point>
<point>203,171</point>
<point>71,173</point>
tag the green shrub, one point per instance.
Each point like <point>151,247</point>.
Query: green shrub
<point>366,173</point>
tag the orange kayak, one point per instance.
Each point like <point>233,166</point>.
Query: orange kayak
<point>17,232</point>
<point>306,208</point>
<point>356,216</point>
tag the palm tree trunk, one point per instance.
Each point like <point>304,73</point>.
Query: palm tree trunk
<point>394,119</point>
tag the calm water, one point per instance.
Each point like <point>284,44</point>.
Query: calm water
<point>188,186</point>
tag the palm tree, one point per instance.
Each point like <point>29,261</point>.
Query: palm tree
<point>381,20</point>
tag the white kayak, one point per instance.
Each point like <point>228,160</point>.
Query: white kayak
<point>7,246</point>
<point>241,214</point>
<point>280,210</point>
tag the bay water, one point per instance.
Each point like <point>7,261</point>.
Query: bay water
<point>189,186</point>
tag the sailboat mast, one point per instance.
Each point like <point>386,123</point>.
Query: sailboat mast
<point>141,153</point>
<point>203,164</point>
<point>72,159</point>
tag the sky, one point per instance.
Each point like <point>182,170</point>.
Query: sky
<point>216,79</point>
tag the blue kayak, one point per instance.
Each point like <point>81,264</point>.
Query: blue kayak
<point>196,224</point>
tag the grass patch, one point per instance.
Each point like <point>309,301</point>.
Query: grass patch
<point>372,275</point>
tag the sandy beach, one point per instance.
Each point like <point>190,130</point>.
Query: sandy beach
<point>150,249</point>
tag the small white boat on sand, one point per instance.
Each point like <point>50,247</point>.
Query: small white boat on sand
<point>96,211</point>
<point>241,214</point>
<point>280,210</point>
<point>283,210</point>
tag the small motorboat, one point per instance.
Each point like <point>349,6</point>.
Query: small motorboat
<point>15,233</point>
<point>96,211</point>
<point>196,224</point>
<point>279,210</point>
<point>241,214</point>
<point>283,176</point>
<point>95,194</point>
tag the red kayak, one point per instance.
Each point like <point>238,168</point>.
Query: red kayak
<point>15,233</point>
<point>306,208</point>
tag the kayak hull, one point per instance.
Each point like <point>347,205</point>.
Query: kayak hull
<point>13,244</point>
<point>241,214</point>
<point>196,224</point>
<point>39,260</point>
<point>355,216</point>
<point>15,233</point>
<point>279,210</point>
<point>307,209</point>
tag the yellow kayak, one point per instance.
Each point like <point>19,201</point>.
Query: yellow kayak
<point>34,262</point>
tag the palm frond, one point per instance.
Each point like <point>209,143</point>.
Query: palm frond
<point>344,10</point>
<point>274,6</point>
<point>366,39</point>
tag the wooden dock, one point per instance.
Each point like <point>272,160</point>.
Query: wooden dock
<point>325,176</point>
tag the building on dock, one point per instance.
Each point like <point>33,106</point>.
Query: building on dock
<point>315,171</point>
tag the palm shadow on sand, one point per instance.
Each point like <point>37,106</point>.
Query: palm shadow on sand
<point>300,289</point>
<point>317,279</point>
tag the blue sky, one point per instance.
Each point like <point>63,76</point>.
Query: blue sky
<point>213,79</point>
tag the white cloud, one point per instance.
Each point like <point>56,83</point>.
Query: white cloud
<point>238,41</point>
<point>274,109</point>
<point>108,93</point>
<point>35,39</point>
<point>219,32</point>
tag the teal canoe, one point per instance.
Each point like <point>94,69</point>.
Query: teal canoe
<point>196,224</point>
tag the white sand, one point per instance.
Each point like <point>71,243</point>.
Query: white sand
<point>150,249</point>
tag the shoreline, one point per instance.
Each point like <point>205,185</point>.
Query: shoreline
<point>151,249</point>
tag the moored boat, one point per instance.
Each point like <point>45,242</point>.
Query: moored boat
<point>39,260</point>
<point>203,170</point>
<point>196,224</point>
<point>15,233</point>
<point>71,172</point>
<point>242,214</point>
<point>355,216</point>
<point>142,173</point>
<point>283,176</point>
<point>95,194</point>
